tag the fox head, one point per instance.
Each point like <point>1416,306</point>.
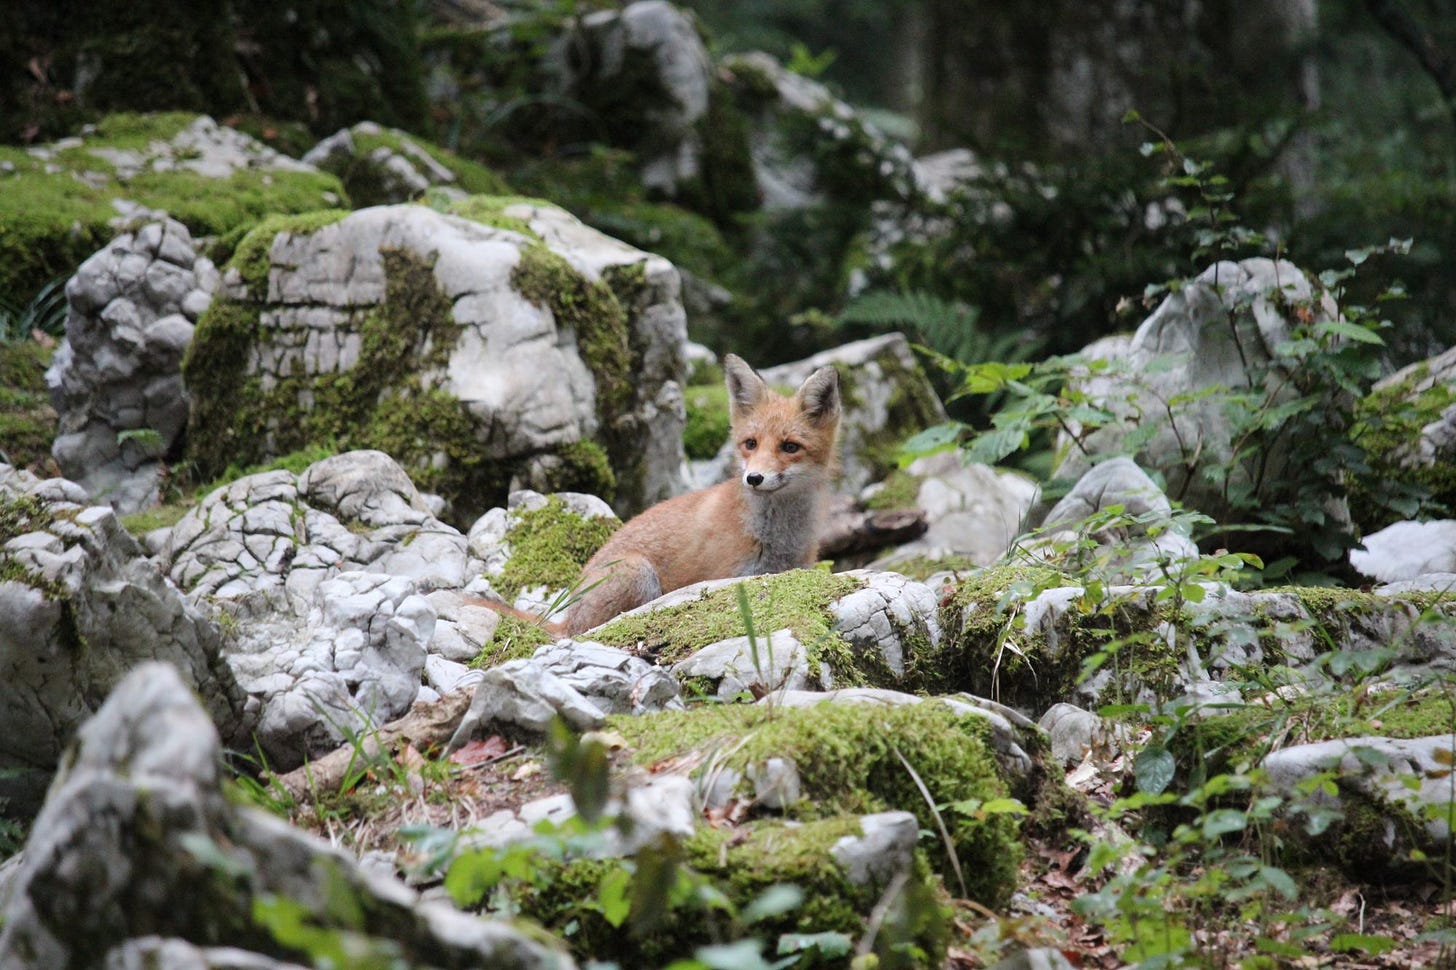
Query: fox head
<point>783,442</point>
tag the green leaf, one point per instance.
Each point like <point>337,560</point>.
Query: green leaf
<point>936,438</point>
<point>1153,768</point>
<point>614,895</point>
<point>828,944</point>
<point>1279,881</point>
<point>738,955</point>
<point>1222,821</point>
<point>773,901</point>
<point>1350,331</point>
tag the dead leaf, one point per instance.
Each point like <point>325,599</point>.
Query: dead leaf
<point>480,751</point>
<point>528,770</point>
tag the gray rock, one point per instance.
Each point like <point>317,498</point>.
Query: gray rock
<point>81,607</point>
<point>1136,547</point>
<point>1215,332</point>
<point>888,618</point>
<point>776,783</point>
<point>770,662</point>
<point>114,382</point>
<point>1436,443</point>
<point>972,510</point>
<point>1407,551</point>
<point>1040,958</point>
<point>885,849</point>
<point>658,46</point>
<point>393,173</point>
<point>137,822</point>
<point>526,388</point>
<point>1398,778</point>
<point>1074,733</point>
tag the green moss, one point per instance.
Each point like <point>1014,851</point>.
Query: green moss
<point>797,600</point>
<point>161,517</point>
<point>52,221</point>
<point>728,185</point>
<point>911,408</point>
<point>848,758</point>
<point>988,651</point>
<point>22,514</point>
<point>584,467</point>
<point>514,640</point>
<point>27,421</point>
<point>489,210</point>
<point>923,567</point>
<point>708,424</point>
<point>901,490</point>
<point>549,546</point>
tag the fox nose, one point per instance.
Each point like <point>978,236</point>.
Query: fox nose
<point>754,479</point>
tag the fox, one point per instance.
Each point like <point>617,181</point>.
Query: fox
<point>765,519</point>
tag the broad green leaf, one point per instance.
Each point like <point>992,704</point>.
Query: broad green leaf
<point>828,944</point>
<point>1222,821</point>
<point>614,895</point>
<point>1154,769</point>
<point>773,901</point>
<point>1350,331</point>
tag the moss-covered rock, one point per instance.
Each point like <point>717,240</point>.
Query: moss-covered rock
<point>798,601</point>
<point>849,761</point>
<point>519,348</point>
<point>59,203</point>
<point>546,544</point>
<point>381,166</point>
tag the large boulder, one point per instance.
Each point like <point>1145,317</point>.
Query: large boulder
<point>499,345</point>
<point>1219,333</point>
<point>324,579</point>
<point>116,381</point>
<point>80,606</point>
<point>382,166</point>
<point>1408,428</point>
<point>138,858</point>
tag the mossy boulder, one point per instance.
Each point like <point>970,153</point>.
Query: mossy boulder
<point>27,420</point>
<point>538,544</point>
<point>505,346</point>
<point>852,759</point>
<point>382,166</point>
<point>62,201</point>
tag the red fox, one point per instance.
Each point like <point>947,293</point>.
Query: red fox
<point>764,520</point>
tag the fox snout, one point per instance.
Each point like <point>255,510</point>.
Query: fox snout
<point>765,482</point>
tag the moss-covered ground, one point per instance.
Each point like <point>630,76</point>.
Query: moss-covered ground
<point>797,600</point>
<point>549,546</point>
<point>27,421</point>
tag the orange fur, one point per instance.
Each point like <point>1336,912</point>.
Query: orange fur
<point>766,519</point>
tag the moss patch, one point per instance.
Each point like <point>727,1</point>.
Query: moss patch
<point>514,640</point>
<point>847,759</point>
<point>797,600</point>
<point>52,220</point>
<point>27,421</point>
<point>368,185</point>
<point>549,546</point>
<point>708,424</point>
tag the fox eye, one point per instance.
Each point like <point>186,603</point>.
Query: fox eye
<point>789,447</point>
<point>750,443</point>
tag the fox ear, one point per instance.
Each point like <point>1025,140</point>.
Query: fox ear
<point>818,397</point>
<point>745,387</point>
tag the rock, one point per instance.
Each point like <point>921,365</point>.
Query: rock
<point>882,619</point>
<point>323,577</point>
<point>523,548</point>
<point>769,662</point>
<point>974,511</point>
<point>80,606</point>
<point>66,200</point>
<point>1395,792</point>
<point>1133,547</point>
<point>885,849</point>
<point>138,846</point>
<point>1074,733</point>
<point>116,380</point>
<point>1410,434</point>
<point>801,137</point>
<point>522,348</point>
<point>1217,331</point>
<point>649,54</point>
<point>386,166</point>
<point>582,682</point>
<point>1407,550</point>
<point>1039,958</point>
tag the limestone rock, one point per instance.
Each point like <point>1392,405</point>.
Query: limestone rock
<point>974,511</point>
<point>80,606</point>
<point>137,846</point>
<point>1216,331</point>
<point>116,380</point>
<point>525,347</point>
<point>1129,549</point>
<point>1407,551</point>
